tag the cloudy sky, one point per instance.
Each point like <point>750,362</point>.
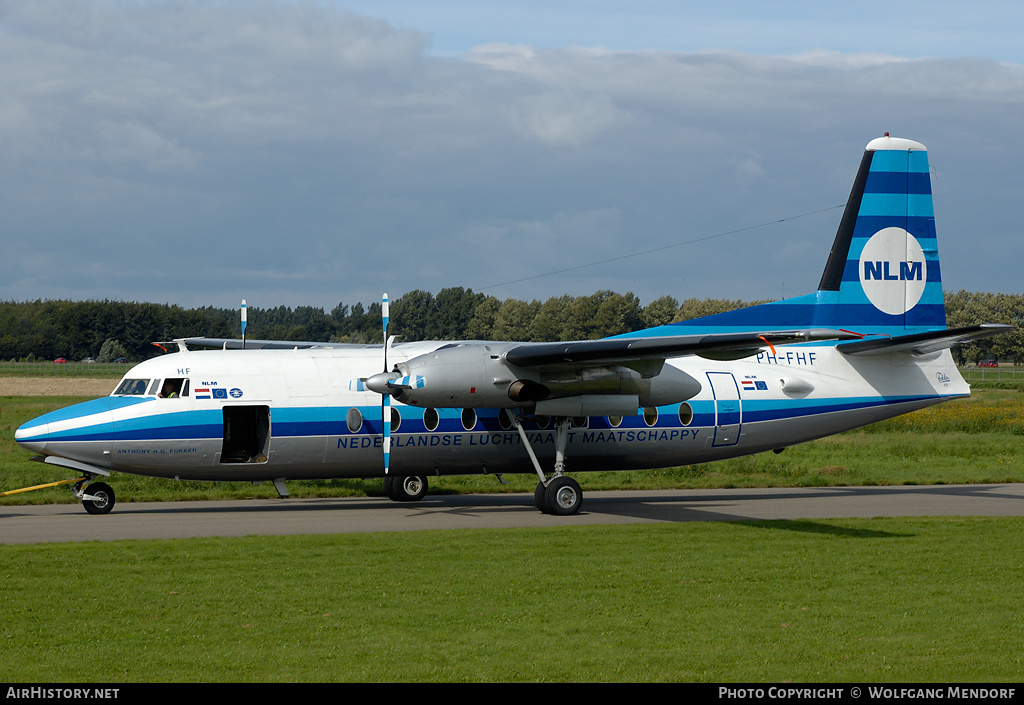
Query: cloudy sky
<point>306,153</point>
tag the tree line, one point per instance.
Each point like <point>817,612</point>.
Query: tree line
<point>107,330</point>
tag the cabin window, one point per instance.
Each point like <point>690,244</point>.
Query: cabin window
<point>468,419</point>
<point>685,414</point>
<point>354,420</point>
<point>505,419</point>
<point>132,387</point>
<point>396,420</point>
<point>651,415</point>
<point>614,421</point>
<point>430,419</point>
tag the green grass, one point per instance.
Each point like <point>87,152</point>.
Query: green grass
<point>977,440</point>
<point>96,370</point>
<point>930,600</point>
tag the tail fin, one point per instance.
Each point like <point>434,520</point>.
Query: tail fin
<point>883,271</point>
<point>882,275</point>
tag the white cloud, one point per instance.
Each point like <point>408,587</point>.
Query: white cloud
<point>314,155</point>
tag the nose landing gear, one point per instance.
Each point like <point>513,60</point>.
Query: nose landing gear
<point>97,498</point>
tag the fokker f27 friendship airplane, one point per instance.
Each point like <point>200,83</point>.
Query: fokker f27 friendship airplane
<point>870,344</point>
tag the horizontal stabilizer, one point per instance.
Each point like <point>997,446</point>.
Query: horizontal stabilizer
<point>923,343</point>
<point>623,350</point>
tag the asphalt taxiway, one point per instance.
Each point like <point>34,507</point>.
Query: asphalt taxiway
<point>169,520</point>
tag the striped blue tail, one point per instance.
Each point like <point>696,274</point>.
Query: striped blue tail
<point>882,276</point>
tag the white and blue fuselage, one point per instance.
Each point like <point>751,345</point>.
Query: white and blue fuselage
<point>270,414</point>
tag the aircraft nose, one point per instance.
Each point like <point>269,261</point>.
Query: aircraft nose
<point>33,435</point>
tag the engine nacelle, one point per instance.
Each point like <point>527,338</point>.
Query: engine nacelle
<point>463,375</point>
<point>476,375</point>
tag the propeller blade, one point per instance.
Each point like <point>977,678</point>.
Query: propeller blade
<point>385,399</point>
<point>385,309</point>
<point>385,409</point>
<point>386,383</point>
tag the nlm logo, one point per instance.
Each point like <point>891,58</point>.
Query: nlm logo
<point>909,271</point>
<point>893,271</point>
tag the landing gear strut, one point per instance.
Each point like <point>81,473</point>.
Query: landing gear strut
<point>559,495</point>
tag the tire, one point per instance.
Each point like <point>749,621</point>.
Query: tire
<point>564,496</point>
<point>105,498</point>
<point>411,488</point>
<point>540,499</point>
<point>389,488</point>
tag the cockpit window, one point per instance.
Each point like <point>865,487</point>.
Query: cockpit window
<point>132,387</point>
<point>174,387</point>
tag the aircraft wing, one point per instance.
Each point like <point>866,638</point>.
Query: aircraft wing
<point>715,346</point>
<point>923,343</point>
<point>236,344</point>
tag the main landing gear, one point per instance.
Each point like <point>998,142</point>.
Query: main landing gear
<point>559,495</point>
<point>562,496</point>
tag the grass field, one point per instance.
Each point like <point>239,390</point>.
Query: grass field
<point>104,370</point>
<point>918,600</point>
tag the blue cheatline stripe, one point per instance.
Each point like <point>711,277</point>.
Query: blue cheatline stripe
<point>87,433</point>
<point>188,424</point>
<point>208,425</point>
<point>86,408</point>
<point>897,182</point>
<point>753,409</point>
<point>704,415</point>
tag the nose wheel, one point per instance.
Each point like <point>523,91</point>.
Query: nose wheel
<point>98,498</point>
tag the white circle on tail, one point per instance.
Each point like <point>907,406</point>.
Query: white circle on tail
<point>893,271</point>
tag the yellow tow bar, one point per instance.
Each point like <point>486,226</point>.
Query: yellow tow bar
<point>43,487</point>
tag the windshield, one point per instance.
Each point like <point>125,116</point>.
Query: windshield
<point>132,387</point>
